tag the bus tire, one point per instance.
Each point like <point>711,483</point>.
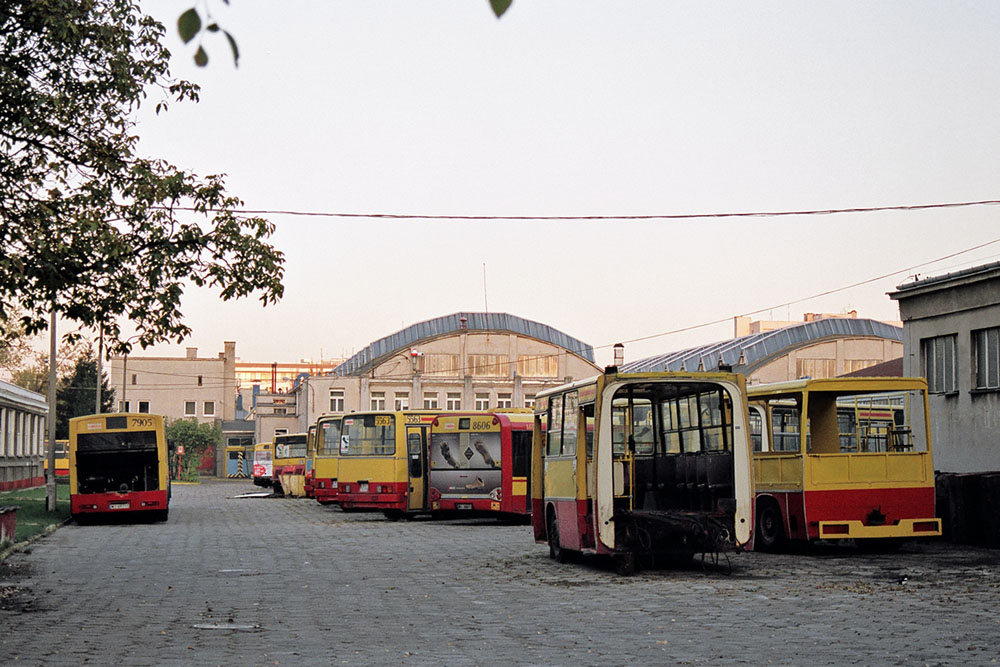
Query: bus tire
<point>393,515</point>
<point>770,532</point>
<point>556,551</point>
<point>625,564</point>
<point>163,515</point>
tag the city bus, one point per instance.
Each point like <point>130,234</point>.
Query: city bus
<point>326,466</point>
<point>262,464</point>
<point>117,464</point>
<point>288,468</point>
<point>480,462</point>
<point>383,463</point>
<point>62,461</point>
<point>842,458</point>
<point>642,467</point>
<point>308,481</point>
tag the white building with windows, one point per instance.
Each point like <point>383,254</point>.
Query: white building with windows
<point>951,336</point>
<point>462,361</point>
<point>22,437</point>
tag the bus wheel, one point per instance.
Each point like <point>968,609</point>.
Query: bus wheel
<point>625,564</point>
<point>163,515</point>
<point>393,515</point>
<point>556,552</point>
<point>770,533</point>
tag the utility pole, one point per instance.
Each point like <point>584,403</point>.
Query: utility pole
<point>50,477</point>
<point>100,353</point>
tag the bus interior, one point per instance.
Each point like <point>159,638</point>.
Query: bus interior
<point>117,462</point>
<point>673,466</point>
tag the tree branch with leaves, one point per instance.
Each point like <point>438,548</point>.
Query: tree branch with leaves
<point>89,228</point>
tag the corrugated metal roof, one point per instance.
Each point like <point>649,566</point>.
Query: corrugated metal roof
<point>406,338</point>
<point>758,349</point>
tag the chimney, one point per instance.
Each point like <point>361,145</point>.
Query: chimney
<point>192,353</point>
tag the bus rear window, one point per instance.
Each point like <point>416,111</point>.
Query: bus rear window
<point>112,442</point>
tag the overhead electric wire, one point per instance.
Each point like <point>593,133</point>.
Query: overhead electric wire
<point>653,216</point>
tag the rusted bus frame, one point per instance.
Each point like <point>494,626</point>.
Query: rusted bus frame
<point>841,495</point>
<point>580,491</point>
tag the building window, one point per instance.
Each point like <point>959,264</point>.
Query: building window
<point>986,345</point>
<point>123,406</point>
<point>430,400</point>
<point>199,380</point>
<point>190,408</point>
<point>208,409</point>
<point>529,400</point>
<point>378,400</point>
<point>538,365</point>
<point>489,365</point>
<point>504,401</point>
<point>144,407</point>
<point>402,399</point>
<point>482,401</point>
<point>454,401</point>
<point>939,364</point>
<point>133,378</point>
<point>336,400</point>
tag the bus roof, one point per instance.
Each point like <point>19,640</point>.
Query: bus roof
<point>841,385</point>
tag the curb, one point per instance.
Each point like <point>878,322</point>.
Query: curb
<point>51,528</point>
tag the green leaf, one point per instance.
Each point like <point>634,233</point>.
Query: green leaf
<point>200,57</point>
<point>232,45</point>
<point>212,27</point>
<point>500,6</point>
<point>188,24</point>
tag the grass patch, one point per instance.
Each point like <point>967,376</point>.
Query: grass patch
<point>32,519</point>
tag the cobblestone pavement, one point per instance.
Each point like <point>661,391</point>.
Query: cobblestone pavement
<point>286,581</point>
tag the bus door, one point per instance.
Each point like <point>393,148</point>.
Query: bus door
<point>416,467</point>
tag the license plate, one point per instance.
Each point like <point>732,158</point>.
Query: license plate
<point>117,506</point>
<point>463,506</point>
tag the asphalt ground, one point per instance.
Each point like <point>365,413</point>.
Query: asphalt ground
<point>271,581</point>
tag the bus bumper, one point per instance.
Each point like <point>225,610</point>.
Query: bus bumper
<point>904,528</point>
<point>100,503</point>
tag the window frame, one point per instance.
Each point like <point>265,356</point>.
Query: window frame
<point>939,356</point>
<point>986,342</point>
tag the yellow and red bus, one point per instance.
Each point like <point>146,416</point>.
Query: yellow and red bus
<point>326,466</point>
<point>118,463</point>
<point>288,467</point>
<point>263,464</point>
<point>62,461</point>
<point>842,458</point>
<point>310,478</point>
<point>480,462</point>
<point>383,463</point>
<point>642,467</point>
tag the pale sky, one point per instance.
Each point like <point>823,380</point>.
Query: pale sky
<point>576,107</point>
